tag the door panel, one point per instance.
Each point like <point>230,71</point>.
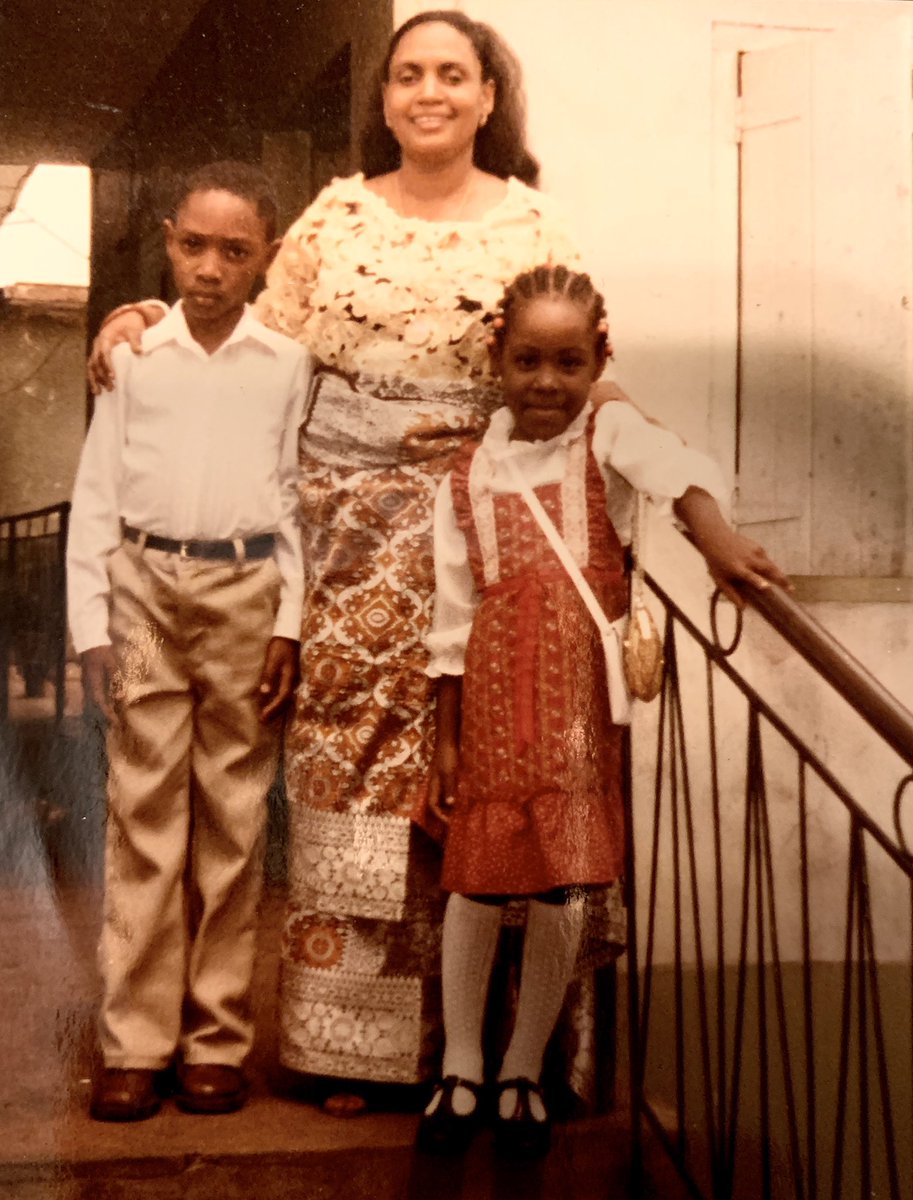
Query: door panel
<point>826,276</point>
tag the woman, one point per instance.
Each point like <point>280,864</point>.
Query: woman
<point>386,278</point>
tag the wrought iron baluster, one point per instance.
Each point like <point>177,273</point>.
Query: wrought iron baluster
<point>719,1061</point>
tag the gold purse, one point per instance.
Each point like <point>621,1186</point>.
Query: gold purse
<point>642,647</point>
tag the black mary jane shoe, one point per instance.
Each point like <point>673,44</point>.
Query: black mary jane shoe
<point>444,1131</point>
<point>520,1135</point>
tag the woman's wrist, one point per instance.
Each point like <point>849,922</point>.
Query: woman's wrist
<point>137,306</point>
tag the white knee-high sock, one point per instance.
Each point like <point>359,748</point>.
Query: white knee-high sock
<point>553,933</point>
<point>470,937</point>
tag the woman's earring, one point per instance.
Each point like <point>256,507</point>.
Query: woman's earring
<point>483,120</point>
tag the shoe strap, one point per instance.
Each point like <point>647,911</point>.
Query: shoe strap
<point>521,1084</point>
<point>451,1082</point>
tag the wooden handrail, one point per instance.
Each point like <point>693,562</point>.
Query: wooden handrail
<point>858,687</point>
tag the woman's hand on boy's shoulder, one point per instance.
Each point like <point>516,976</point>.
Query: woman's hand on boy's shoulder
<point>125,324</point>
<point>280,675</point>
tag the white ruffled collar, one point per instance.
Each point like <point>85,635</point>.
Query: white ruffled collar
<point>497,441</point>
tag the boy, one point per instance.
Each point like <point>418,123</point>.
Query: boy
<point>185,581</point>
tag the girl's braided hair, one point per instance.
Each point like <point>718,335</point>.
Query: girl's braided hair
<point>553,280</point>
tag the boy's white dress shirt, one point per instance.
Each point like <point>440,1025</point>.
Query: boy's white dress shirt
<point>191,445</point>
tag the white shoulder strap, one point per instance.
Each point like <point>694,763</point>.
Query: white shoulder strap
<point>612,631</point>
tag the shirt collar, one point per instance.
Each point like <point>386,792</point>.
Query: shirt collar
<point>173,328</point>
<point>497,437</point>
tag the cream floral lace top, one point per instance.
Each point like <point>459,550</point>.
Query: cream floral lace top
<point>370,291</point>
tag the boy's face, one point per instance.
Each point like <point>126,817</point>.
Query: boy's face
<point>549,361</point>
<point>218,247</point>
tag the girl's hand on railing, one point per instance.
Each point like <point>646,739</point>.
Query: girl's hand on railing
<point>731,558</point>
<point>126,324</point>
<point>736,560</point>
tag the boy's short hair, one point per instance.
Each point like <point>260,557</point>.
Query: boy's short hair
<point>240,179</point>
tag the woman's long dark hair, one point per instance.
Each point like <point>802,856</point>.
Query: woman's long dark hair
<point>500,145</point>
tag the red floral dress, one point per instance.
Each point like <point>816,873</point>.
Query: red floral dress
<point>538,800</point>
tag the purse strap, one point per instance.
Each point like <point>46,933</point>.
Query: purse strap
<point>558,544</point>
<point>637,541</point>
<point>609,631</point>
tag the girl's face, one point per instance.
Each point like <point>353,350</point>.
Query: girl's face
<point>548,362</point>
<point>435,97</point>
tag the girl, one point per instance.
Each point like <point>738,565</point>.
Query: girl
<point>526,769</point>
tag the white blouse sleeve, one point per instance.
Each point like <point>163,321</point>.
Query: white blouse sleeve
<point>455,597</point>
<point>652,459</point>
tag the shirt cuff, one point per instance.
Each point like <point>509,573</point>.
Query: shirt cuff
<point>288,622</point>
<point>89,633</point>
<point>448,652</point>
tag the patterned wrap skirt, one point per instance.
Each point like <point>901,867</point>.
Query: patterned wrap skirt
<point>359,985</point>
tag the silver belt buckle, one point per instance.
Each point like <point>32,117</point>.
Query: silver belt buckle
<point>182,553</point>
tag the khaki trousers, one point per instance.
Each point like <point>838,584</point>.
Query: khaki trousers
<point>190,765</point>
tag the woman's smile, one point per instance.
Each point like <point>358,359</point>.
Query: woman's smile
<point>435,87</point>
<point>430,122</point>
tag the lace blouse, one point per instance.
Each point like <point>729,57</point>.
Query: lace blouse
<point>368,290</point>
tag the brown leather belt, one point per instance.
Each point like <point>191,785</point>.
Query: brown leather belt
<point>259,546</point>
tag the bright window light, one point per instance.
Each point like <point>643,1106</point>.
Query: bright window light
<point>45,239</point>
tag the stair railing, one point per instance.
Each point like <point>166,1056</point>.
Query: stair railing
<point>765,1062</point>
<point>33,623</point>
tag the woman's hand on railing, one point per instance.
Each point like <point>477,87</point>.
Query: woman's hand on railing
<point>126,324</point>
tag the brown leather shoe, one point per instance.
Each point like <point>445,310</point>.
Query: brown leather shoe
<point>125,1095</point>
<point>210,1088</point>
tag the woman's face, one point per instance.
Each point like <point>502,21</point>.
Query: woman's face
<point>435,97</point>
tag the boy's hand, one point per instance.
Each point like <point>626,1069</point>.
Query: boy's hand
<point>128,327</point>
<point>442,779</point>
<point>99,666</point>
<point>280,675</point>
